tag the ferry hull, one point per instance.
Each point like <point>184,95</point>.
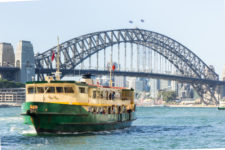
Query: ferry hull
<point>221,108</point>
<point>64,118</point>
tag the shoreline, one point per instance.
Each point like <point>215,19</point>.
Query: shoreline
<point>197,106</point>
<point>5,105</point>
<point>176,106</point>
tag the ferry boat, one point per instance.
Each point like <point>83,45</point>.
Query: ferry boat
<point>56,106</point>
<point>221,105</point>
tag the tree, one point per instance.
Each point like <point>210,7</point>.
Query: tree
<point>167,95</point>
<point>10,84</point>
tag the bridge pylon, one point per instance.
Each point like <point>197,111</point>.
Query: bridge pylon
<point>7,60</point>
<point>25,61</point>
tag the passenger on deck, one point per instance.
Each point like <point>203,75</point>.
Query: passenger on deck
<point>101,95</point>
<point>113,95</point>
<point>106,95</point>
<point>110,96</point>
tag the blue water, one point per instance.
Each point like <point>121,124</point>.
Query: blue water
<point>155,128</point>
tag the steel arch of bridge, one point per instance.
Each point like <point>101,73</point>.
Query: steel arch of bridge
<point>76,50</point>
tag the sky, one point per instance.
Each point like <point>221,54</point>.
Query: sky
<point>197,24</point>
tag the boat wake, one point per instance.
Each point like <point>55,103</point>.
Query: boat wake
<point>29,131</point>
<point>11,119</point>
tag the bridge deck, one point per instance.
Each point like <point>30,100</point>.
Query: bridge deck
<point>136,74</point>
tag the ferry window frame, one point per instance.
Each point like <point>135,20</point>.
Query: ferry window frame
<point>83,90</point>
<point>31,87</point>
<point>94,94</point>
<point>48,88</point>
<point>126,93</point>
<point>69,87</point>
<point>40,87</point>
<point>56,88</point>
<point>130,94</point>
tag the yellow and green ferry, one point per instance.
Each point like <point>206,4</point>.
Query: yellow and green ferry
<point>56,106</point>
<point>221,105</point>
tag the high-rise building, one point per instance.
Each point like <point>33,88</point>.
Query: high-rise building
<point>7,56</point>
<point>131,82</point>
<point>154,87</point>
<point>119,81</point>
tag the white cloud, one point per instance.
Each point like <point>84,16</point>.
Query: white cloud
<point>6,1</point>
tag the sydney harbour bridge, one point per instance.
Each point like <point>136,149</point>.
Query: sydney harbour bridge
<point>137,53</point>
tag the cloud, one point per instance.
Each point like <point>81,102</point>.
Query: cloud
<point>7,1</point>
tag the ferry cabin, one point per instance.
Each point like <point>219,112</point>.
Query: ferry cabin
<point>93,98</point>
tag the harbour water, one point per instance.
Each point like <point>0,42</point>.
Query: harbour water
<point>155,128</point>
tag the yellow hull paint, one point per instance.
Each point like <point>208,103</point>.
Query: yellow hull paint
<point>88,104</point>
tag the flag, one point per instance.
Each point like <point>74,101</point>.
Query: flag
<point>53,55</point>
<point>130,21</point>
<point>113,67</point>
<point>142,20</point>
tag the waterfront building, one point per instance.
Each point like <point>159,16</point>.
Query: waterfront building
<point>186,91</point>
<point>120,81</point>
<point>174,86</point>
<point>164,84</point>
<point>103,80</point>
<point>154,87</point>
<point>139,84</point>
<point>182,90</point>
<point>12,95</point>
<point>131,82</point>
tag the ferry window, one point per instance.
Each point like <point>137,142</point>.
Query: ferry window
<point>50,89</point>
<point>31,90</point>
<point>68,90</point>
<point>101,95</point>
<point>130,94</point>
<point>40,89</point>
<point>59,89</point>
<point>82,89</point>
<point>94,94</point>
<point>126,93</point>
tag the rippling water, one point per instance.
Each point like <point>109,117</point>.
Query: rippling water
<point>155,128</point>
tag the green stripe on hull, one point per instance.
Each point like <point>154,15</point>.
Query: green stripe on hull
<point>51,117</point>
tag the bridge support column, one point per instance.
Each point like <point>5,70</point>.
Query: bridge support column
<point>7,59</point>
<point>25,61</point>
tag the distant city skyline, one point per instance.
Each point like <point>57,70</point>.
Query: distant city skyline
<point>199,25</point>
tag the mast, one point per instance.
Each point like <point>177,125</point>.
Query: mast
<point>58,73</point>
<point>110,83</point>
<point>57,55</point>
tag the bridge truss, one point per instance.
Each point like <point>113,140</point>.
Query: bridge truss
<point>73,53</point>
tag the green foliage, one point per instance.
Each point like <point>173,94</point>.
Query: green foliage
<point>167,95</point>
<point>10,84</point>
